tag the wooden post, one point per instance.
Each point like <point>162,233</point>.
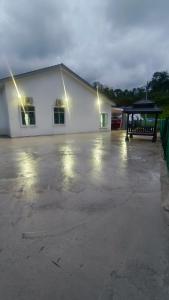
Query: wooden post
<point>131,135</point>
<point>155,130</point>
<point>127,138</point>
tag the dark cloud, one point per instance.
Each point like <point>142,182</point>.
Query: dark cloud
<point>33,31</point>
<point>118,42</point>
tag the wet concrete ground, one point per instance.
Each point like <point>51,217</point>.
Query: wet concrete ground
<point>80,218</point>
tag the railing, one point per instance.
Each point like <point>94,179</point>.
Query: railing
<point>164,130</point>
<point>146,130</point>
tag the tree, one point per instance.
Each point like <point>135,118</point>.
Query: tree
<point>158,90</point>
<point>159,82</point>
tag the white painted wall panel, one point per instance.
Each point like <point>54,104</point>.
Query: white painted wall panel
<point>45,87</point>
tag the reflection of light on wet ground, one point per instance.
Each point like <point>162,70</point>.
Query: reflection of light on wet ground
<point>123,156</point>
<point>97,156</point>
<point>68,161</point>
<point>28,171</point>
<point>123,150</point>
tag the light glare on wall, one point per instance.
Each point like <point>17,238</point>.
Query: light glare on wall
<point>19,95</point>
<point>98,100</point>
<point>65,92</point>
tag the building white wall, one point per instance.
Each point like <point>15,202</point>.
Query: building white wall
<point>45,88</point>
<point>4,118</point>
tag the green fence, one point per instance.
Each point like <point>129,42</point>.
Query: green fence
<point>164,130</point>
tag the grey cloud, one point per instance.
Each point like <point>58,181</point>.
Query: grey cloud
<point>33,29</point>
<point>117,42</point>
<point>136,13</point>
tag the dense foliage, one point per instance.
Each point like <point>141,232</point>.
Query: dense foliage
<point>157,89</point>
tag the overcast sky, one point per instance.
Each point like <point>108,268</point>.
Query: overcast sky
<point>117,42</point>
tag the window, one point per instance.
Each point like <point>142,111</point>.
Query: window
<point>59,112</point>
<point>27,112</point>
<point>103,120</point>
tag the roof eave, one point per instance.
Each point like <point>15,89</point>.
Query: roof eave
<point>63,67</point>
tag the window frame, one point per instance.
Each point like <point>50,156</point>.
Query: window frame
<point>53,112</point>
<point>20,117</point>
<point>105,113</point>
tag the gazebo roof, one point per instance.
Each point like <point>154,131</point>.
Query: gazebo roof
<point>143,106</point>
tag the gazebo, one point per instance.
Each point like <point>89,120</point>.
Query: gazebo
<point>140,108</point>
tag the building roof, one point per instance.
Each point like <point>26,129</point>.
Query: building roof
<point>143,106</point>
<point>144,102</point>
<point>59,66</point>
<point>130,109</point>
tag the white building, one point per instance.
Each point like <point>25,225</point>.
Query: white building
<point>52,100</point>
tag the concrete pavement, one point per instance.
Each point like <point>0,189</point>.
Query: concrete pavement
<point>80,218</point>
